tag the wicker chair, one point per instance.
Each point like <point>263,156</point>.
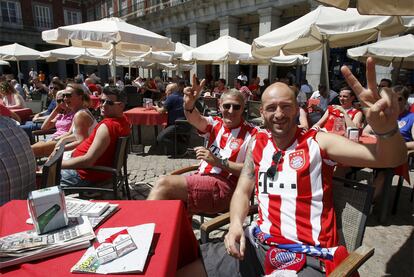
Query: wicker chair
<point>118,171</point>
<point>352,202</point>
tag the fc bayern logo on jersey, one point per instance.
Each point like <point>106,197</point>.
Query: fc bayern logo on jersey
<point>401,124</point>
<point>297,159</point>
<point>235,143</point>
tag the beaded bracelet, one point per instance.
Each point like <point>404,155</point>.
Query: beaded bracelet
<point>387,134</point>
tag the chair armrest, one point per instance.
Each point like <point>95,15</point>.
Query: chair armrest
<point>43,132</point>
<point>217,222</point>
<point>351,263</point>
<point>184,170</point>
<point>102,168</point>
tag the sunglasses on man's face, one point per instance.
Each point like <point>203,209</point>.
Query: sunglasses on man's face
<point>108,101</point>
<point>67,95</point>
<point>59,101</point>
<point>271,171</point>
<point>236,107</point>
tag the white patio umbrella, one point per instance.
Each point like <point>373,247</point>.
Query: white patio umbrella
<point>4,63</point>
<point>108,33</point>
<point>290,60</point>
<point>375,7</point>
<point>16,52</point>
<point>322,28</point>
<point>397,51</point>
<point>79,54</point>
<point>224,49</point>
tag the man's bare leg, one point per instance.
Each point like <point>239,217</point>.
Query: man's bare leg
<point>172,187</point>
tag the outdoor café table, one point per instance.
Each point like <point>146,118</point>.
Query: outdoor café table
<point>142,116</point>
<point>94,104</point>
<point>23,113</point>
<point>174,243</point>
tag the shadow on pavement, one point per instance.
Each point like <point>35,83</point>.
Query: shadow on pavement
<point>400,263</point>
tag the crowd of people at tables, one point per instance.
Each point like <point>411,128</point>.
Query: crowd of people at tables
<point>236,152</point>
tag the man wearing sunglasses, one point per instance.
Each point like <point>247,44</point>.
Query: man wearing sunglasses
<point>99,148</point>
<point>291,171</point>
<point>211,188</point>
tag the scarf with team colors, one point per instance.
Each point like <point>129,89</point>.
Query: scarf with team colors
<point>288,259</point>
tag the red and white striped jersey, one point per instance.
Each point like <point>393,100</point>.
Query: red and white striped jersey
<point>333,114</point>
<point>296,205</point>
<point>226,143</point>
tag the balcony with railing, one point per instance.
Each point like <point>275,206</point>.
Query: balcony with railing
<point>144,7</point>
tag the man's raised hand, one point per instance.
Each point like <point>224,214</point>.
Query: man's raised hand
<point>380,108</point>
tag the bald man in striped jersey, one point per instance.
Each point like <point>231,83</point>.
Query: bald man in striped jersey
<point>291,173</point>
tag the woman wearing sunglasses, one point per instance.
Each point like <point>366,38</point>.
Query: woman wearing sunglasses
<point>74,104</point>
<point>61,119</point>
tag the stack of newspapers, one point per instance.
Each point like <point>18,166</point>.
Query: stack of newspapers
<point>84,216</point>
<point>28,245</point>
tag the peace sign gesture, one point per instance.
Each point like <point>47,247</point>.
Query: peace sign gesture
<point>192,93</point>
<point>379,107</point>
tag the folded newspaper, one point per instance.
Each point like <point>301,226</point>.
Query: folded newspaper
<point>123,261</point>
<point>28,245</point>
<point>97,212</point>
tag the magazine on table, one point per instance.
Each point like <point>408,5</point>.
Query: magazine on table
<point>28,245</point>
<point>132,262</point>
<point>97,212</point>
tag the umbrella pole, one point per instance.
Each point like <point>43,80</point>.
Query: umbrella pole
<point>129,68</point>
<point>78,67</point>
<point>396,72</point>
<point>325,63</point>
<point>114,60</point>
<point>18,71</point>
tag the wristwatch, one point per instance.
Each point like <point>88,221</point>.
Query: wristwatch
<point>224,162</point>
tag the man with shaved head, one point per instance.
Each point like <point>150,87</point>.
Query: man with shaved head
<point>291,172</point>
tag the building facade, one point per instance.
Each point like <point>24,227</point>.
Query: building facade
<point>193,22</point>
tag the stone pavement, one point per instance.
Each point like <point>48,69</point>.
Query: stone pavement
<point>393,241</point>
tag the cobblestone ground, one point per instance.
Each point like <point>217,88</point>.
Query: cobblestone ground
<point>393,241</point>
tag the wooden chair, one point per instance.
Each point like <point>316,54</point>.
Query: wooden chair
<point>118,171</point>
<point>50,174</point>
<point>352,202</point>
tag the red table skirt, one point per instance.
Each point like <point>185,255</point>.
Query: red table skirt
<point>24,113</point>
<point>174,242</point>
<point>143,116</point>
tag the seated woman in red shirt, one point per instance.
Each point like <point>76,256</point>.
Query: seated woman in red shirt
<point>351,117</point>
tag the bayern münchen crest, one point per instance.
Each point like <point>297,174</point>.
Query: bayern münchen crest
<point>297,159</point>
<point>235,143</point>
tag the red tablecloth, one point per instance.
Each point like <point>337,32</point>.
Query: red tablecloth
<point>94,102</point>
<point>24,113</point>
<point>143,116</point>
<point>175,243</point>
